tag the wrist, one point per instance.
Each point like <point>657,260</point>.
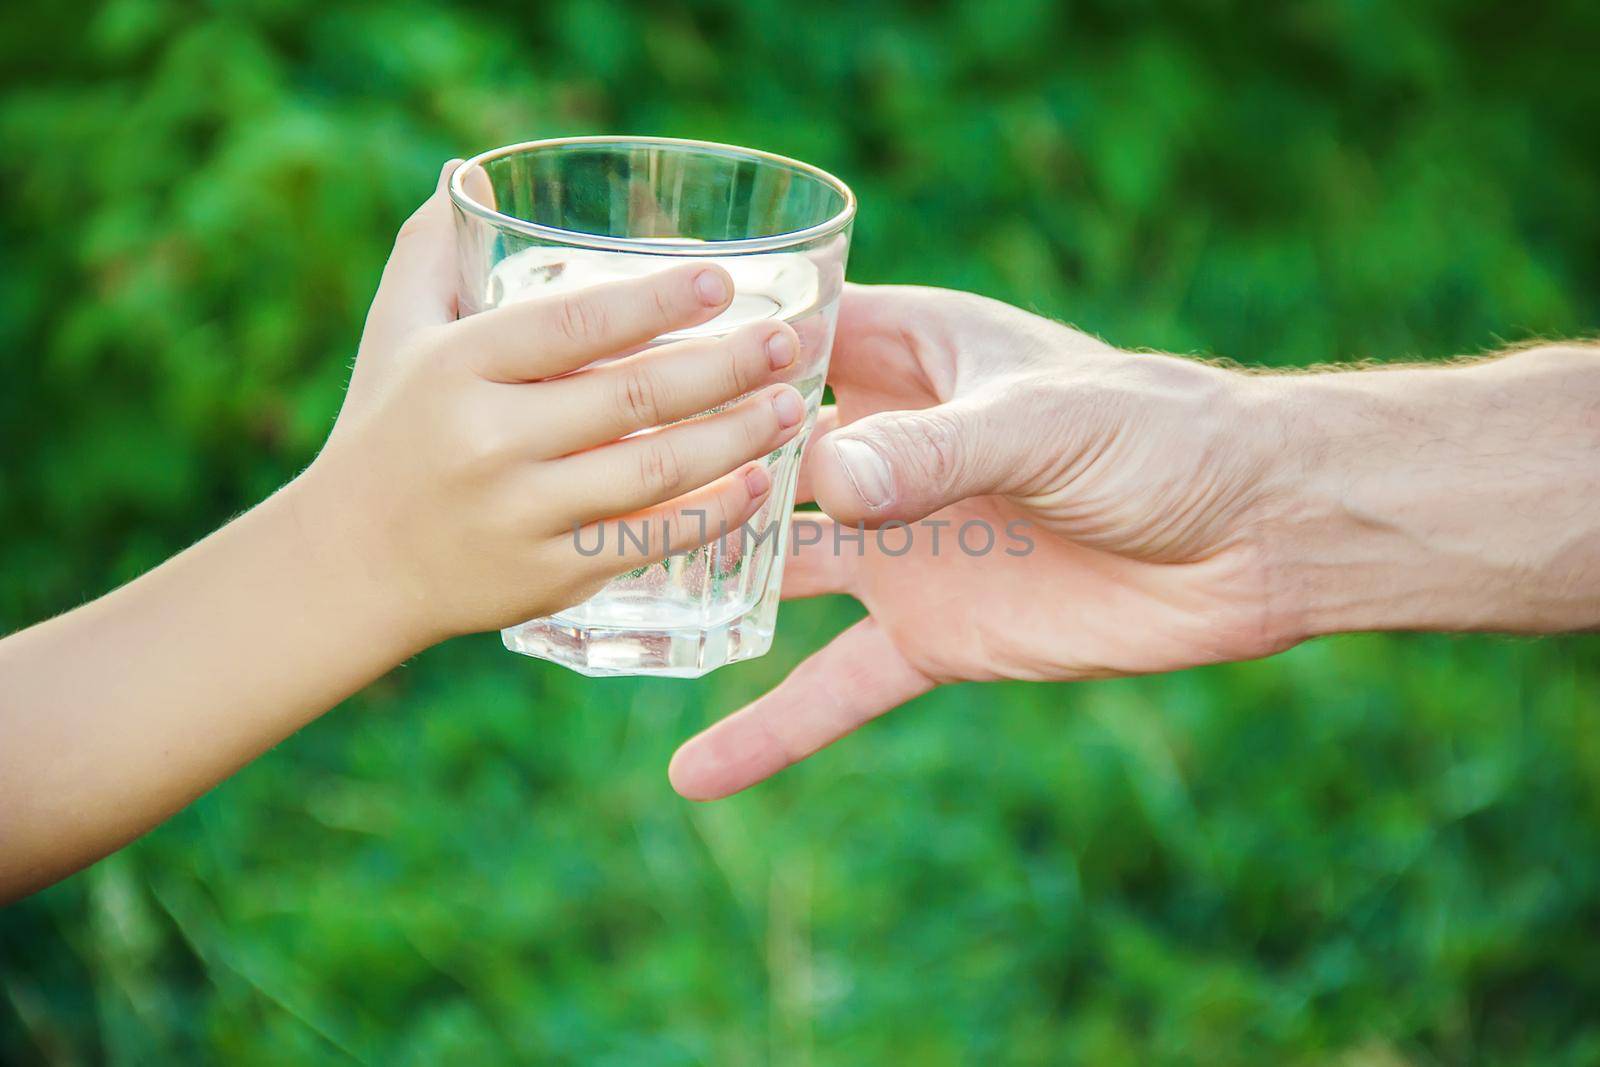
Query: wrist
<point>344,547</point>
<point>1434,498</point>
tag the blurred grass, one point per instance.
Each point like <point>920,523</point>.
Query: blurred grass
<point>1369,851</point>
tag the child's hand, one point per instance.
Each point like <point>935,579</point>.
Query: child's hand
<point>444,501</point>
<point>467,453</point>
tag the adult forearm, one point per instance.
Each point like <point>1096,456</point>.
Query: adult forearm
<point>115,715</point>
<point>1462,498</point>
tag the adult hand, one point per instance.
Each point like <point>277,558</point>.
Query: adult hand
<point>1124,472</point>
<point>1181,513</point>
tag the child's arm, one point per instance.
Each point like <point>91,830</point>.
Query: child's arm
<point>444,502</point>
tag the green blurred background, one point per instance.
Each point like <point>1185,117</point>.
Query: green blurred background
<point>1369,851</point>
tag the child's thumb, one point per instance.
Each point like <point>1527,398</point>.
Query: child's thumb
<point>419,281</point>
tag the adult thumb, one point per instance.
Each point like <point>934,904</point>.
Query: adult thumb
<point>904,465</point>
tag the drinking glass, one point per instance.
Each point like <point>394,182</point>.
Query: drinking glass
<point>540,218</point>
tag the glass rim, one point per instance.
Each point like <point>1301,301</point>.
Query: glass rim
<point>665,246</point>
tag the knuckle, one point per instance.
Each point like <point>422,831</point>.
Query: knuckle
<point>581,319</point>
<point>661,469</point>
<point>639,398</point>
<point>929,443</point>
<point>484,446</point>
<point>411,229</point>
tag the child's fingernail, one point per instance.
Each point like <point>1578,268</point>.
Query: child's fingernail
<point>790,408</point>
<point>780,350</point>
<point>757,480</point>
<point>711,288</point>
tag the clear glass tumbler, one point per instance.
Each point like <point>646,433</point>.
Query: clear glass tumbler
<point>539,218</point>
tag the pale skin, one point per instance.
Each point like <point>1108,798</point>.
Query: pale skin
<point>1181,513</point>
<point>445,502</point>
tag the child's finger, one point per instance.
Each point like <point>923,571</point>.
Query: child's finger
<point>661,385</point>
<point>541,338</point>
<point>689,521</point>
<point>650,468</point>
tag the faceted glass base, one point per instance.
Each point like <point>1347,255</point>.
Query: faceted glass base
<point>604,651</point>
